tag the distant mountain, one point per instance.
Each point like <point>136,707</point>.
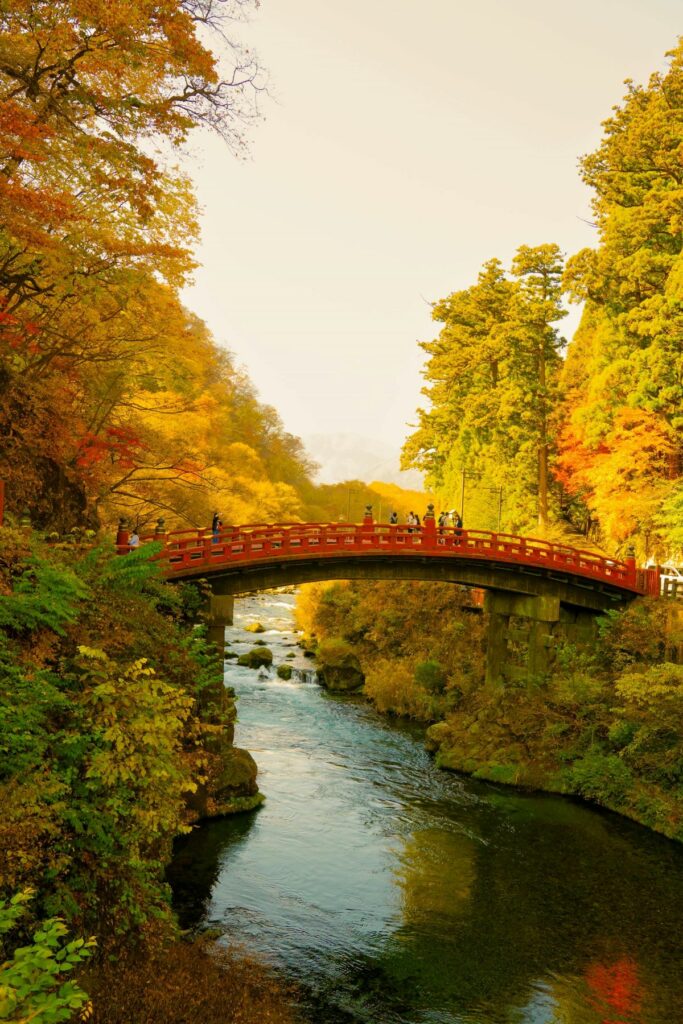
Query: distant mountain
<point>352,457</point>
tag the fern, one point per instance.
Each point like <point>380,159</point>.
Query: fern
<point>43,595</point>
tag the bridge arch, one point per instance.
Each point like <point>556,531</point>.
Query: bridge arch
<point>558,589</point>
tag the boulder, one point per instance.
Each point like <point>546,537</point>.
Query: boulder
<point>255,627</point>
<point>284,671</point>
<point>237,776</point>
<point>339,667</point>
<point>256,657</point>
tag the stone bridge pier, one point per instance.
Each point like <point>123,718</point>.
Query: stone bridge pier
<point>525,631</point>
<point>219,611</point>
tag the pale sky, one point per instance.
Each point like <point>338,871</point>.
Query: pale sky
<point>406,143</point>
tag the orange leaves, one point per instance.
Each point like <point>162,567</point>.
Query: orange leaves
<point>625,477</point>
<point>117,445</point>
<point>22,137</point>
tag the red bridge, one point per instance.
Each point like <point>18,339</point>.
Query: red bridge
<point>256,557</point>
<point>538,594</point>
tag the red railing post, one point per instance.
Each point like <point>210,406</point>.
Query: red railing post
<point>654,583</point>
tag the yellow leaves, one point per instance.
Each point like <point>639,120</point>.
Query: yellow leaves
<point>92,652</point>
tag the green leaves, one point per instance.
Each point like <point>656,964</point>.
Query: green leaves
<point>32,980</point>
<point>492,380</point>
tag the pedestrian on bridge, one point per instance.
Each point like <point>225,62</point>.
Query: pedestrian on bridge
<point>216,525</point>
<point>393,519</point>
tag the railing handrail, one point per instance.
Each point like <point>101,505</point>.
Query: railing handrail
<point>399,528</point>
<point>193,550</point>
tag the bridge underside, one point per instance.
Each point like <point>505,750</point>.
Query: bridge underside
<point>570,591</point>
<point>531,611</point>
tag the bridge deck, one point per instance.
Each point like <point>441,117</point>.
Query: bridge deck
<point>195,553</point>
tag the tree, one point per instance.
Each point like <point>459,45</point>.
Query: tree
<point>627,359</point>
<point>536,346</point>
<point>492,376</point>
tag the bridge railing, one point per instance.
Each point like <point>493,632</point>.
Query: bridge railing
<point>193,551</point>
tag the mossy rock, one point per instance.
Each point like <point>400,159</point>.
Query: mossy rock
<point>237,776</point>
<point>230,654</point>
<point>259,643</point>
<point>284,671</point>
<point>290,656</point>
<point>255,627</point>
<point>256,657</point>
<point>339,667</point>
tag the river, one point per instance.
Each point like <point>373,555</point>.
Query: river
<point>390,891</point>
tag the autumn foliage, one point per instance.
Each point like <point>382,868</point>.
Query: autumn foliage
<point>115,399</point>
<point>584,437</point>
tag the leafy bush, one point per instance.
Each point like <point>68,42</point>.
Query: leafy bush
<point>98,747</point>
<point>392,688</point>
<point>602,777</point>
<point>634,636</point>
<point>430,676</point>
<point>621,733</point>
<point>34,982</point>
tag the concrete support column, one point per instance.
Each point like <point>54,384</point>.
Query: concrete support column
<point>536,644</point>
<point>221,607</point>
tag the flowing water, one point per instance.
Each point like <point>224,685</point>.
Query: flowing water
<point>390,891</point>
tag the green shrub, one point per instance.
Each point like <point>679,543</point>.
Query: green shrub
<point>34,978</point>
<point>391,687</point>
<point>634,636</point>
<point>602,777</point>
<point>430,676</point>
<point>621,733</point>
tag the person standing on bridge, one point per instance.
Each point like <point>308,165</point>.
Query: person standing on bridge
<point>216,525</point>
<point>134,540</point>
<point>393,519</point>
<point>456,519</point>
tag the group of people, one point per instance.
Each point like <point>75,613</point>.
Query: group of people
<point>451,518</point>
<point>445,519</point>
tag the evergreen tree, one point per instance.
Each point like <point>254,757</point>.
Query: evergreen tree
<point>492,376</point>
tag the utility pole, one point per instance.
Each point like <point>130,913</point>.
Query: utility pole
<point>462,497</point>
<point>500,507</point>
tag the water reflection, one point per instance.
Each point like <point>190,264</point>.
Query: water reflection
<point>397,893</point>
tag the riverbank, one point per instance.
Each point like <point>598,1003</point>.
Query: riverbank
<point>607,726</point>
<point>365,858</point>
<point>117,735</point>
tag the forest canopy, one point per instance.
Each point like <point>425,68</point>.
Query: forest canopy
<point>587,434</point>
